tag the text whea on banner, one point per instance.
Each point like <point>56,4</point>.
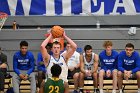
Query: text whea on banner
<point>70,7</point>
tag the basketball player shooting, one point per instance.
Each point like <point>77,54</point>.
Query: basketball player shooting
<point>56,58</point>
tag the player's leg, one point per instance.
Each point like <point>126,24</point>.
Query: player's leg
<point>76,81</point>
<point>2,78</point>
<point>101,77</point>
<point>81,83</point>
<point>138,80</point>
<point>41,89</point>
<point>95,76</point>
<point>40,78</point>
<point>114,72</point>
<point>16,82</point>
<point>120,81</point>
<point>33,82</point>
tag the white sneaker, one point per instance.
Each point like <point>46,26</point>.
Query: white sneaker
<point>113,91</point>
<point>101,91</point>
<point>120,91</point>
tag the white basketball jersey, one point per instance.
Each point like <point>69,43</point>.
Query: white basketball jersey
<point>88,65</point>
<point>73,60</point>
<point>62,63</point>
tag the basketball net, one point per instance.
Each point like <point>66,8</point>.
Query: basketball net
<point>3,17</point>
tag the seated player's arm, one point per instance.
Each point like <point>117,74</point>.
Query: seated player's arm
<point>137,68</point>
<point>39,59</point>
<point>82,64</point>
<point>41,90</point>
<point>43,49</point>
<point>15,66</point>
<point>32,65</point>
<point>66,86</point>
<point>102,64</point>
<point>120,63</point>
<point>72,49</point>
<point>96,59</point>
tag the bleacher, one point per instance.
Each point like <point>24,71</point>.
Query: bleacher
<point>130,85</point>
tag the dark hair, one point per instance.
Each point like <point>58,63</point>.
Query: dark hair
<point>56,43</point>
<point>56,70</point>
<point>87,47</point>
<point>23,43</point>
<point>65,44</point>
<point>0,48</point>
<point>130,45</point>
<point>49,45</point>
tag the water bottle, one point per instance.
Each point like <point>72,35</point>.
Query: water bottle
<point>14,25</point>
<point>98,24</point>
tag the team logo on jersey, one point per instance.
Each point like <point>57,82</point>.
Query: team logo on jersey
<point>128,62</point>
<point>24,61</point>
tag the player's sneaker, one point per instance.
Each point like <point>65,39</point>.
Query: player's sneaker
<point>120,91</point>
<point>75,91</point>
<point>101,91</point>
<point>113,91</point>
<point>96,90</point>
<point>81,91</point>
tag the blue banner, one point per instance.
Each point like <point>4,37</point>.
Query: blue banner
<point>70,7</point>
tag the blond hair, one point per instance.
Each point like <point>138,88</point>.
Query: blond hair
<point>107,43</point>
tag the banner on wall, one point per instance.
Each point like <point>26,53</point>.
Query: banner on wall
<point>70,7</point>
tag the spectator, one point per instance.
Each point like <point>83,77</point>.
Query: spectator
<point>108,59</point>
<point>40,64</point>
<point>3,69</point>
<point>54,84</point>
<point>23,65</point>
<point>89,67</point>
<point>128,65</point>
<point>73,67</point>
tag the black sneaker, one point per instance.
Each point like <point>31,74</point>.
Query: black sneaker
<point>75,91</point>
<point>96,91</point>
<point>81,91</point>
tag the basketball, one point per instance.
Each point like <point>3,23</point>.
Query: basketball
<point>57,31</point>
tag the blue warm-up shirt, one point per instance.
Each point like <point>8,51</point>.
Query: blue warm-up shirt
<point>40,64</point>
<point>23,62</point>
<point>108,62</point>
<point>131,63</point>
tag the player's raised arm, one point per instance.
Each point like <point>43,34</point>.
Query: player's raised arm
<point>44,52</point>
<point>70,52</point>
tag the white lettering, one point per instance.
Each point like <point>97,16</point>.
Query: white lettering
<point>12,6</point>
<point>128,6</point>
<point>101,10</point>
<point>26,6</point>
<point>66,5</point>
